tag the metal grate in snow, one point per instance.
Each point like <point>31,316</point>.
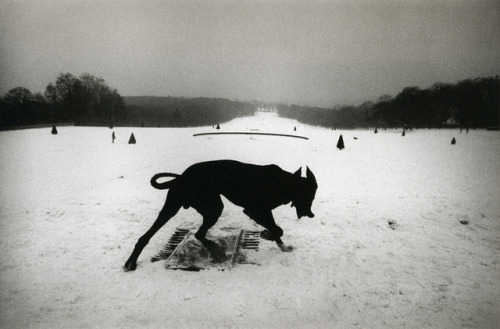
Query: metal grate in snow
<point>184,252</point>
<point>250,240</point>
<point>179,235</point>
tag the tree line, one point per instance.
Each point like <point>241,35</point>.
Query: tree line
<point>185,112</point>
<point>84,100</point>
<point>473,103</point>
<point>88,101</point>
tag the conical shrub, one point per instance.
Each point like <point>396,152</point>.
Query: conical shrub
<point>340,143</point>
<point>132,139</point>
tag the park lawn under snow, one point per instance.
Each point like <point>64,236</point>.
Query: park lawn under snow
<point>387,248</point>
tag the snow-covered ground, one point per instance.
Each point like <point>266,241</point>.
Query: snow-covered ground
<point>386,249</point>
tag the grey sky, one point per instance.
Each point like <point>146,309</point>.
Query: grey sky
<point>307,52</point>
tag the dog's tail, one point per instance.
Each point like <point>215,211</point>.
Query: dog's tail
<point>165,185</point>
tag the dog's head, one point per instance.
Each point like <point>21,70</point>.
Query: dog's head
<point>303,193</point>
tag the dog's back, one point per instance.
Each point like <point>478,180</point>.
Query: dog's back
<point>245,185</point>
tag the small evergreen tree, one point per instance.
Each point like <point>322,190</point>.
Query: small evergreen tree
<point>340,143</point>
<point>132,139</point>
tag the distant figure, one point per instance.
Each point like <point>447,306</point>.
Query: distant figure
<point>218,127</point>
<point>403,133</point>
<point>294,128</point>
<point>340,143</point>
<point>376,131</point>
<point>113,137</point>
<point>453,141</point>
<point>54,130</point>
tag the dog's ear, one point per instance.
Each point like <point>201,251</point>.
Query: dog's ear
<point>310,176</point>
<point>298,173</point>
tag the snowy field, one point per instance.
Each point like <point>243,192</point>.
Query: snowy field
<point>406,233</point>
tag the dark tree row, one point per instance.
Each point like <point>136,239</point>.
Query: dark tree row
<point>86,100</point>
<point>184,112</point>
<point>89,101</point>
<point>469,103</point>
<point>341,117</point>
<point>19,107</point>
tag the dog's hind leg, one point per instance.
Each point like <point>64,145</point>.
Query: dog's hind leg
<point>274,232</point>
<point>168,211</point>
<point>211,209</point>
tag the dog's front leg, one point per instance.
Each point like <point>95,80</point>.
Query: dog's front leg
<point>273,232</point>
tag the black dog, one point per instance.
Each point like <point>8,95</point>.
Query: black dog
<point>258,189</point>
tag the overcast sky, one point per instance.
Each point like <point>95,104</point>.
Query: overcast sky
<point>307,52</point>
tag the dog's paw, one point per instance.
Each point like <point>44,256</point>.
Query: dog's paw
<point>285,248</point>
<point>129,266</point>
